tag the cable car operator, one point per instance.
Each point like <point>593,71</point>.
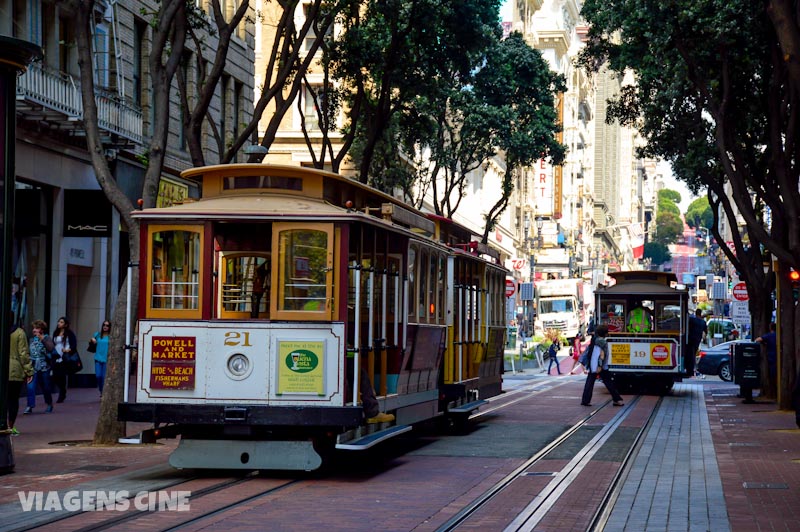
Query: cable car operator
<point>639,319</point>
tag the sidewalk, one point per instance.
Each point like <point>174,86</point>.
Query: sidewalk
<point>52,451</point>
<point>530,366</point>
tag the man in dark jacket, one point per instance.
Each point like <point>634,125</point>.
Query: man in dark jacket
<point>697,331</point>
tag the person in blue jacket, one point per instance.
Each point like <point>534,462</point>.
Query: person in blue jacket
<point>100,341</point>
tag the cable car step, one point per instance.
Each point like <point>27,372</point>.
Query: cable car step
<point>468,407</point>
<point>368,441</point>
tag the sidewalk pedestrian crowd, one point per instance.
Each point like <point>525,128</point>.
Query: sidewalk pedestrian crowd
<point>43,364</point>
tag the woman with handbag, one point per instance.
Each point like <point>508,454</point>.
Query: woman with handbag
<point>98,344</point>
<point>66,345</point>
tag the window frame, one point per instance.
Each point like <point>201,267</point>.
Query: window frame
<point>173,313</point>
<point>278,289</point>
<point>223,314</point>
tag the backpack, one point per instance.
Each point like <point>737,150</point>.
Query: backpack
<point>586,357</point>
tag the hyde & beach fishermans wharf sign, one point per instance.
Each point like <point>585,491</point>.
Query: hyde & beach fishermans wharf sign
<point>172,363</point>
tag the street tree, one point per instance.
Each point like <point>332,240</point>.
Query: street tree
<point>657,252</point>
<point>180,31</point>
<point>722,107</point>
<point>668,217</point>
<point>504,104</point>
<point>516,81</point>
<point>390,57</point>
<point>288,60</point>
<point>699,214</point>
<point>169,33</point>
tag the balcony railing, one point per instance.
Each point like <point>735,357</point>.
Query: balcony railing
<point>58,91</point>
<point>55,90</point>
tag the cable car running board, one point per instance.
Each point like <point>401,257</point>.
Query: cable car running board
<point>468,408</point>
<point>362,444</point>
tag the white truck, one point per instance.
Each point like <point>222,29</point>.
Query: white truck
<point>559,306</point>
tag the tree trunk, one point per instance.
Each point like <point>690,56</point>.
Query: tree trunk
<point>787,341</point>
<point>108,429</point>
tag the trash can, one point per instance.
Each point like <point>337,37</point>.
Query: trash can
<point>511,338</point>
<point>746,361</point>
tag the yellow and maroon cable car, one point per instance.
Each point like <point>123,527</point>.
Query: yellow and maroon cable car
<point>271,308</point>
<point>647,345</point>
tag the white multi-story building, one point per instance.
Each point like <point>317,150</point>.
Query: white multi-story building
<point>69,255</point>
<point>593,207</point>
<point>555,203</point>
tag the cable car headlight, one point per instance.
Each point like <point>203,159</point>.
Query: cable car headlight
<point>239,366</point>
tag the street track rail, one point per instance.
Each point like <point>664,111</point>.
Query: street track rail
<point>603,512</point>
<point>538,508</point>
<point>508,398</point>
<point>214,500</point>
<point>76,520</point>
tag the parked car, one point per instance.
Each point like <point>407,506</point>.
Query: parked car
<point>716,360</point>
<point>725,327</point>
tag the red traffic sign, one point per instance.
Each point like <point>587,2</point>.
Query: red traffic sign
<point>510,288</point>
<point>740,292</point>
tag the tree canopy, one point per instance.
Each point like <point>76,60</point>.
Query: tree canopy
<point>668,217</point>
<point>699,214</point>
<point>722,106</point>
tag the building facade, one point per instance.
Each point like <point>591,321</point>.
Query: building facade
<point>70,255</point>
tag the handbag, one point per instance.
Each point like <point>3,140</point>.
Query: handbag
<point>72,362</point>
<point>92,347</point>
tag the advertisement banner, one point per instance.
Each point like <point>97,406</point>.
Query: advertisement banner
<point>172,362</point>
<point>655,354</point>
<point>301,367</point>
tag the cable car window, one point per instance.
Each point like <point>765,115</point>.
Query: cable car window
<point>668,317</point>
<point>433,302</point>
<point>244,287</point>
<point>175,269</point>
<point>304,269</point>
<point>262,182</point>
<point>424,291</point>
<point>412,287</point>
<point>442,287</point>
<point>613,315</point>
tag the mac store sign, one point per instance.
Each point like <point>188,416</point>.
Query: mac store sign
<point>86,213</point>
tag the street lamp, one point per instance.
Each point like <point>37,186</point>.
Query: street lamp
<point>539,224</point>
<point>594,255</point>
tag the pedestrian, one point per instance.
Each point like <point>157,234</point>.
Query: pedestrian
<point>578,346</point>
<point>698,329</point>
<point>100,343</point>
<point>598,367</point>
<point>20,370</point>
<point>65,343</point>
<point>552,352</point>
<point>41,349</point>
<point>770,342</point>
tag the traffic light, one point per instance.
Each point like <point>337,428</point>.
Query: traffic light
<point>794,278</point>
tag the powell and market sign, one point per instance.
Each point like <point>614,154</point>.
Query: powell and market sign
<point>86,213</point>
